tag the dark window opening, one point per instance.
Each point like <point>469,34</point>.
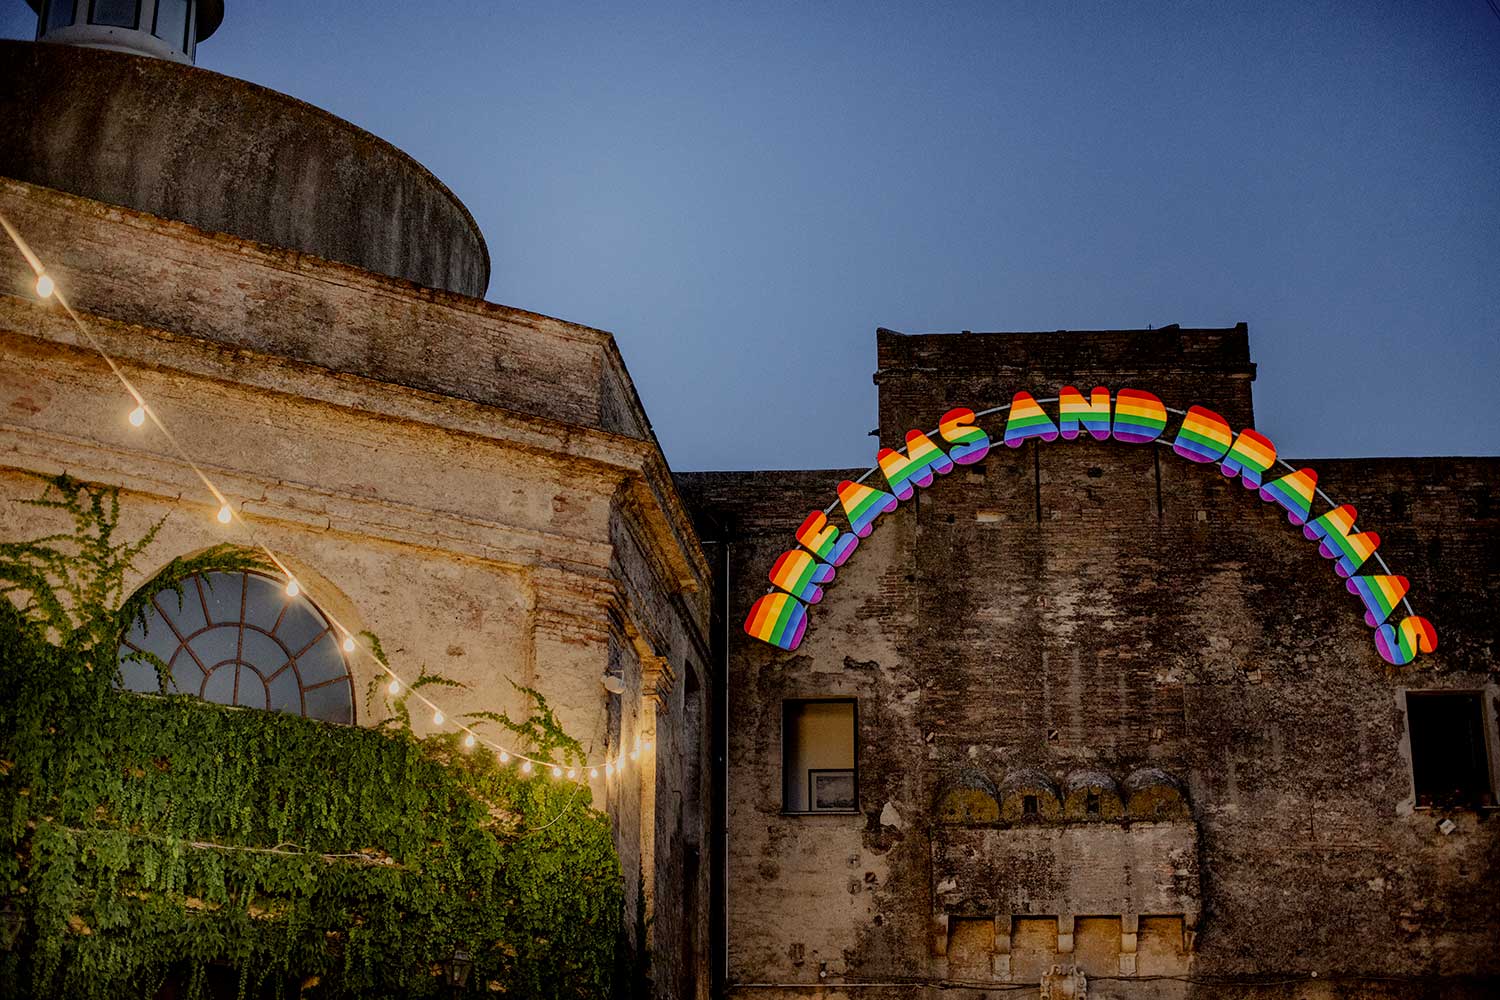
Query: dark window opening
<point>115,13</point>
<point>818,770</point>
<point>1449,762</point>
<point>1092,805</point>
<point>1030,806</point>
<point>59,14</point>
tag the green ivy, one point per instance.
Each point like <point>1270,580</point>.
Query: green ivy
<point>149,838</point>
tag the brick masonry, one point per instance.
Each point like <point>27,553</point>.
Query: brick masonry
<point>1116,608</point>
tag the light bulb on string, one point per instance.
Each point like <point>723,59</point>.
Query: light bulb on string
<point>45,285</point>
<point>138,416</point>
<point>394,687</point>
<point>593,772</point>
<point>225,514</point>
<point>556,771</point>
<point>609,769</point>
<point>525,767</point>
<point>469,740</point>
<point>437,717</point>
<point>572,773</point>
<point>292,590</point>
<point>348,643</point>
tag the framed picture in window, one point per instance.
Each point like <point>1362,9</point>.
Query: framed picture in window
<point>831,790</point>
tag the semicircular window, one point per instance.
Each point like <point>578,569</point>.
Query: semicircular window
<point>238,639</point>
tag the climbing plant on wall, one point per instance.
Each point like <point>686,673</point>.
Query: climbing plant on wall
<point>162,844</point>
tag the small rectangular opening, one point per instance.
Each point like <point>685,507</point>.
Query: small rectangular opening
<point>1029,806</point>
<point>818,758</point>
<point>1449,759</point>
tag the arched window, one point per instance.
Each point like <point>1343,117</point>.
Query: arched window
<point>238,639</point>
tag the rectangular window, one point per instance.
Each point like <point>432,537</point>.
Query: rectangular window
<point>59,14</point>
<point>171,22</point>
<point>818,758</point>
<point>115,13</point>
<point>1449,758</point>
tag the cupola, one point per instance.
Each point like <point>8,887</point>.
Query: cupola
<point>165,29</point>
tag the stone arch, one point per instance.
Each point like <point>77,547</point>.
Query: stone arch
<point>1092,797</point>
<point>1154,795</point>
<point>1029,796</point>
<point>969,797</point>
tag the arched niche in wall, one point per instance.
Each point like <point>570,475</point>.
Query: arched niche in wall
<point>1028,796</point>
<point>1092,797</point>
<point>970,797</point>
<point>1154,795</point>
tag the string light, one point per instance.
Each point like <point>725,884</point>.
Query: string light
<point>572,773</point>
<point>556,771</point>
<point>609,769</point>
<point>46,288</point>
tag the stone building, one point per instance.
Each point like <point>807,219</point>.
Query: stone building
<point>1085,715</point>
<point>300,302</point>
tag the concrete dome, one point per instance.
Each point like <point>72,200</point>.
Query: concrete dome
<point>225,155</point>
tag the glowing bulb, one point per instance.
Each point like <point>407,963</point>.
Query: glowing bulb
<point>225,514</point>
<point>572,773</point>
<point>504,757</point>
<point>138,416</point>
<point>556,771</point>
<point>437,717</point>
<point>348,643</point>
<point>593,772</point>
<point>609,769</point>
<point>394,687</point>
<point>44,285</point>
<point>469,741</point>
<point>525,767</point>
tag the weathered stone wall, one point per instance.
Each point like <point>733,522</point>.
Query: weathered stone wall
<point>1104,607</point>
<point>476,485</point>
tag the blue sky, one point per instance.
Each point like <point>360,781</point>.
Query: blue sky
<point>743,192</point>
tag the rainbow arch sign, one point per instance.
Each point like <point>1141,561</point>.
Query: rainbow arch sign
<point>1131,416</point>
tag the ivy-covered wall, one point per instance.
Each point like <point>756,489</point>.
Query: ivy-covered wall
<point>161,843</point>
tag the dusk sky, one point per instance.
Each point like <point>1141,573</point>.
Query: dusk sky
<point>743,192</point>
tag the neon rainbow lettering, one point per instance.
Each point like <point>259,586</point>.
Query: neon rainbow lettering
<point>1203,437</point>
<point>970,444</point>
<point>1139,417</point>
<point>1027,421</point>
<point>825,541</point>
<point>778,619</point>
<point>1074,411</point>
<point>1294,493</point>
<point>1249,457</point>
<point>921,460</point>
<point>1381,594</point>
<point>862,505</point>
<point>1350,550</point>
<point>1401,645</point>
